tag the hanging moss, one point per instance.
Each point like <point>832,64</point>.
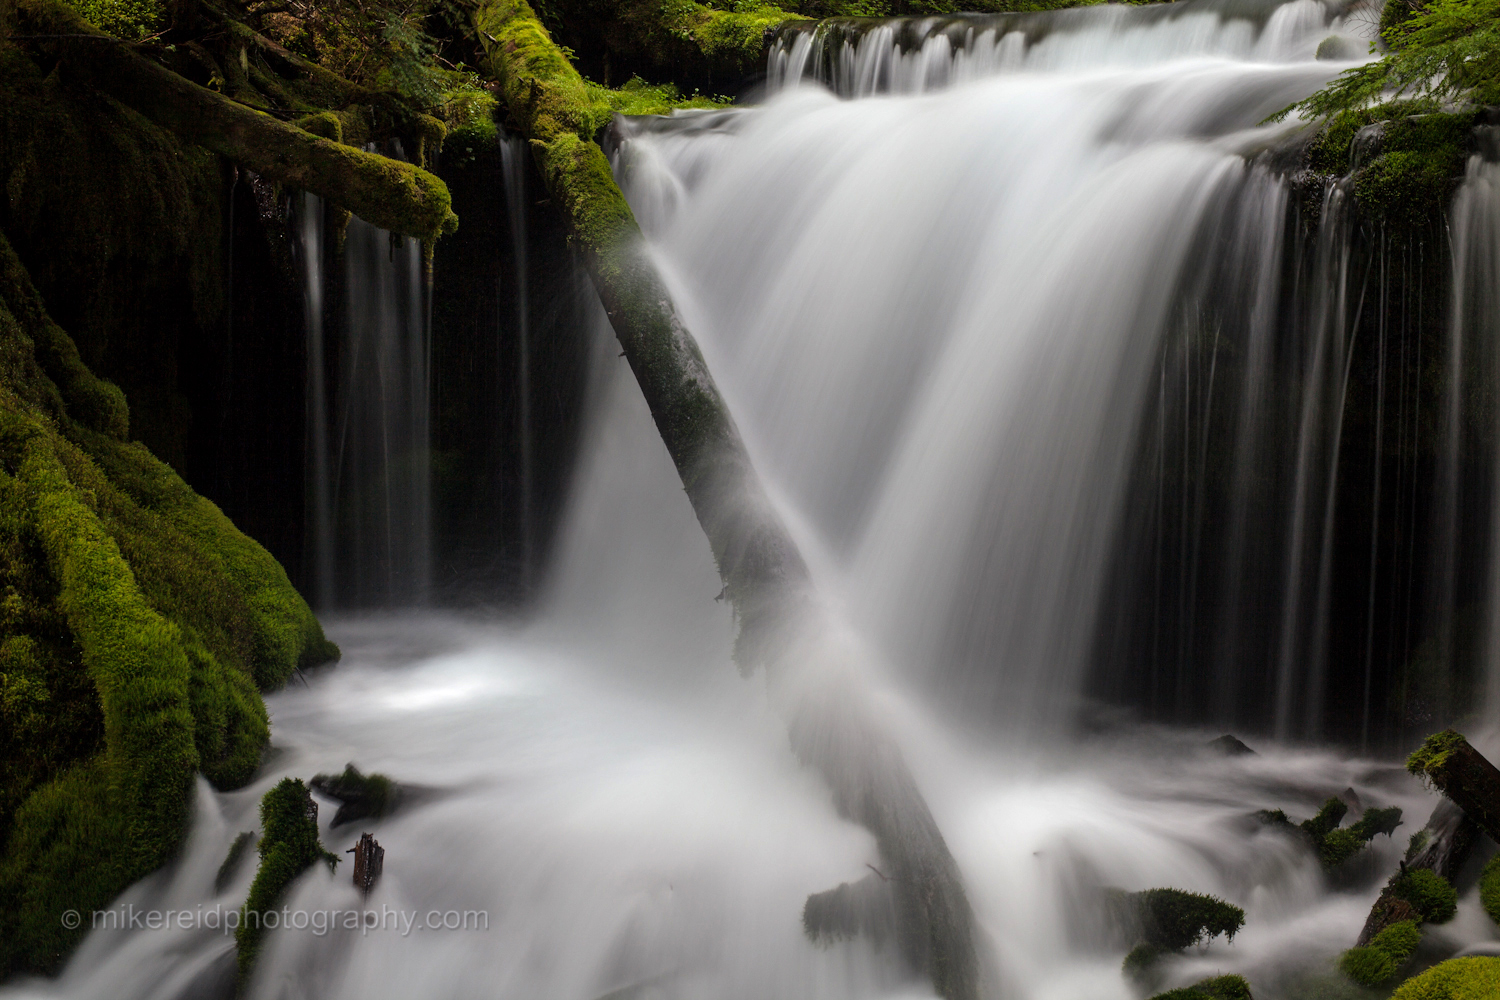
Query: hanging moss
<point>1455,979</point>
<point>289,846</point>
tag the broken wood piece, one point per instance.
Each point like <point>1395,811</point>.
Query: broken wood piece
<point>369,862</point>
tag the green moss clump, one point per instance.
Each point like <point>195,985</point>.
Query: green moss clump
<point>362,795</point>
<point>1217,988</point>
<point>1433,753</point>
<point>1489,889</point>
<point>1327,819</point>
<point>1429,893</point>
<point>1455,979</point>
<point>1376,821</point>
<point>1378,962</point>
<point>129,19</point>
<point>1172,920</point>
<point>1417,842</point>
<point>289,845</point>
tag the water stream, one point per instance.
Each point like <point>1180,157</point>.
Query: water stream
<point>1020,326</point>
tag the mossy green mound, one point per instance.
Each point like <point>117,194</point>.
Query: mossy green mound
<point>1455,979</point>
<point>289,845</point>
<point>1489,889</point>
<point>139,626</point>
<point>1379,961</point>
<point>1218,988</point>
<point>1429,894</point>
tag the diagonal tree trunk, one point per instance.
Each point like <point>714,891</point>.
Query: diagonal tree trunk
<point>832,727</point>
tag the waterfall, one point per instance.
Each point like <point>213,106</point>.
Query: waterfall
<point>1091,412</point>
<point>513,152</point>
<point>369,454</point>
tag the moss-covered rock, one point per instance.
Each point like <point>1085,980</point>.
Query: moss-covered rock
<point>361,796</point>
<point>289,845</point>
<point>1217,988</point>
<point>1429,894</point>
<point>1378,962</point>
<point>1171,920</point>
<point>1455,979</point>
<point>1489,889</point>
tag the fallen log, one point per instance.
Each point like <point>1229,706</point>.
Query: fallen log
<point>388,193</point>
<point>1443,845</point>
<point>1456,769</point>
<point>764,576</point>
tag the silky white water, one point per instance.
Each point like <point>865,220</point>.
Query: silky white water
<point>939,317</point>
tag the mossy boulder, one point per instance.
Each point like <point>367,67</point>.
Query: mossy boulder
<point>361,796</point>
<point>1378,962</point>
<point>1455,979</point>
<point>289,845</point>
<point>1429,894</point>
<point>1217,988</point>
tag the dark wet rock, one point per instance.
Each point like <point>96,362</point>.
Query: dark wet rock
<point>360,796</point>
<point>1229,746</point>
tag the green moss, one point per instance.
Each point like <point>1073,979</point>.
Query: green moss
<point>1376,821</point>
<point>1327,819</point>
<point>1218,988</point>
<point>289,845</point>
<point>1432,755</point>
<point>363,795</point>
<point>231,863</point>
<point>1175,920</point>
<point>1455,979</point>
<point>118,576</point>
<point>1429,893</point>
<point>1379,961</point>
<point>129,19</point>
<point>1337,847</point>
<point>1417,842</point>
<point>1489,889</point>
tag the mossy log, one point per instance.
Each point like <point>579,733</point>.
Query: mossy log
<point>1463,774</point>
<point>388,193</point>
<point>763,573</point>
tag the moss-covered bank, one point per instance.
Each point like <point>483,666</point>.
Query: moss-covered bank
<point>135,608</point>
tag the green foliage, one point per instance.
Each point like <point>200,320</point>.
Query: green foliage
<point>129,19</point>
<point>1380,960</point>
<point>1174,920</point>
<point>1489,889</point>
<point>1455,979</point>
<point>1339,846</point>
<point>1376,821</point>
<point>1445,50</point>
<point>1218,988</point>
<point>1429,893</point>
<point>1417,842</point>
<point>1327,819</point>
<point>289,845</point>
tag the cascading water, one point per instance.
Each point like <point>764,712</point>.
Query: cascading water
<point>369,451</point>
<point>1048,370</point>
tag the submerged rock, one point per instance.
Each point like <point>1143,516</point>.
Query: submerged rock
<point>1229,746</point>
<point>361,796</point>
